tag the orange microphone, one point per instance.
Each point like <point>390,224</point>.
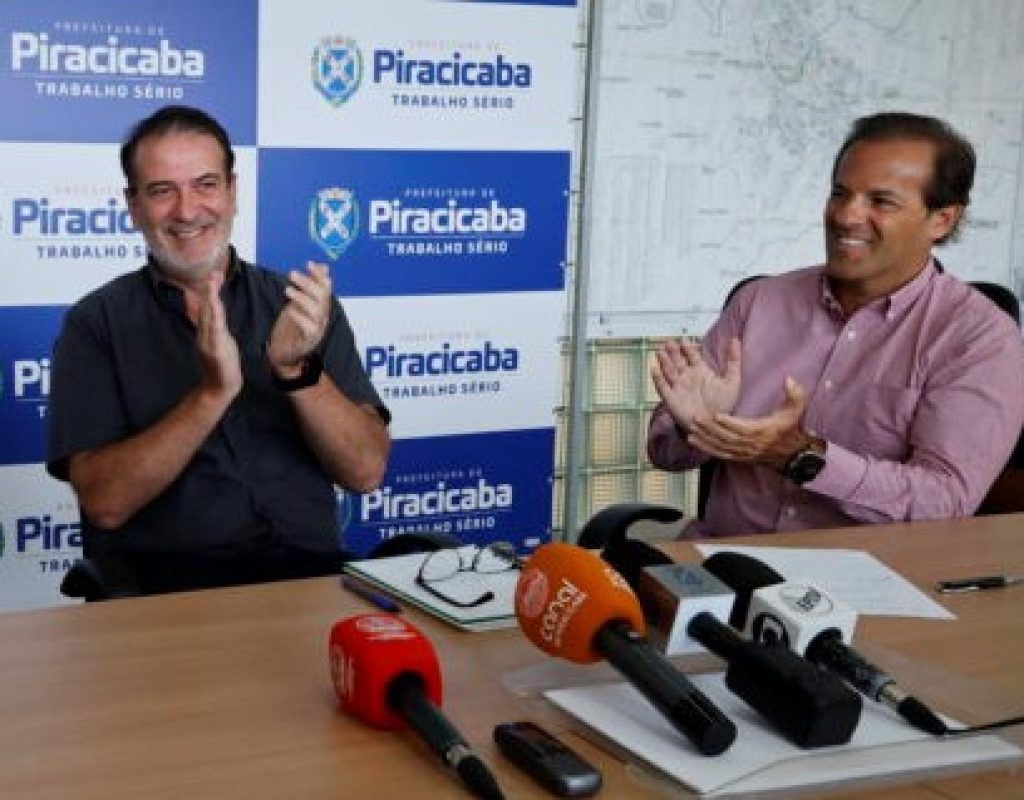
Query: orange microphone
<point>573,605</point>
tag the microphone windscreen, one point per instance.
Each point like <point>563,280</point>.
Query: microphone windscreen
<point>369,651</point>
<point>630,557</point>
<point>565,595</point>
<point>744,575</point>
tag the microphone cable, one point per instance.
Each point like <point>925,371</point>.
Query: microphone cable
<point>829,651</point>
<point>1009,722</point>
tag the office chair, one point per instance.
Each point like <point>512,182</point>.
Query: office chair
<point>1001,296</point>
<point>93,578</point>
<point>1006,495</point>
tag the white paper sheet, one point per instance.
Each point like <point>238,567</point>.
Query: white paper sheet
<point>854,576</point>
<point>760,759</point>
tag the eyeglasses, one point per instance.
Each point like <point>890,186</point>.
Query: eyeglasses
<point>462,587</point>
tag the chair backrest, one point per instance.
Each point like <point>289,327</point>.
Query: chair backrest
<point>1001,296</point>
<point>1006,495</point>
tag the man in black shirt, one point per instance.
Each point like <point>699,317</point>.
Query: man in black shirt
<point>201,407</point>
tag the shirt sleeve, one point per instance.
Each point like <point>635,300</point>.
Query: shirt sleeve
<point>342,362</point>
<point>967,421</point>
<point>84,409</point>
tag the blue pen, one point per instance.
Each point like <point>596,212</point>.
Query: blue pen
<point>383,602</point>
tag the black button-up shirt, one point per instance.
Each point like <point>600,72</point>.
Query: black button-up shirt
<point>127,354</point>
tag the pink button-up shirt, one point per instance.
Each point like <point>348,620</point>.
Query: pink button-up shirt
<point>919,396</point>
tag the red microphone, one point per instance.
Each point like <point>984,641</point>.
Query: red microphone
<point>386,673</point>
<point>571,604</point>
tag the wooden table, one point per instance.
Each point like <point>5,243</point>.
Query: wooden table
<point>226,693</point>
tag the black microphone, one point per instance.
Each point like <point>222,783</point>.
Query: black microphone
<point>685,605</point>
<point>811,707</point>
<point>630,557</point>
<point>405,695</point>
<point>686,707</point>
<point>807,619</point>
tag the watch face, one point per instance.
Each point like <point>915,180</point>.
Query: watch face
<point>805,466</point>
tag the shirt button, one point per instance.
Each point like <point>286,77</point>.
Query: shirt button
<point>851,335</point>
<point>828,383</point>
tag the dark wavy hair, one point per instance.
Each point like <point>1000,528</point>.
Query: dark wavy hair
<point>953,166</point>
<point>169,119</point>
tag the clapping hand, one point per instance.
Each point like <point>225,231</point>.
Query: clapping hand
<point>301,325</point>
<point>769,440</point>
<point>688,385</point>
<point>219,361</point>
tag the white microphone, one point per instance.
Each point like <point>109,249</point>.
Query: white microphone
<point>796,614</point>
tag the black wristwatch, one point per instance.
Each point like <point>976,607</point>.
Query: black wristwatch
<point>805,464</point>
<point>312,369</point>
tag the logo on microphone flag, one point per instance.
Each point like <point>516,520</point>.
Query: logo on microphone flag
<point>768,629</point>
<point>805,599</point>
<point>531,592</point>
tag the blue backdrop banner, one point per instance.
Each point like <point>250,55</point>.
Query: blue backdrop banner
<point>26,339</point>
<point>85,72</point>
<point>417,222</point>
<point>477,487</point>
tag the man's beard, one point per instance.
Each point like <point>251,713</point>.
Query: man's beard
<point>184,271</point>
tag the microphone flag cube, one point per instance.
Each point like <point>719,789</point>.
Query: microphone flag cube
<point>673,594</point>
<point>795,613</point>
<point>367,652</point>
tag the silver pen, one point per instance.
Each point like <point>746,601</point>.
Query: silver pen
<point>977,584</point>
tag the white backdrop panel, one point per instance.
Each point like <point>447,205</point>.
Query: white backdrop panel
<point>450,364</point>
<point>384,113</point>
<point>39,537</point>
<point>65,225</point>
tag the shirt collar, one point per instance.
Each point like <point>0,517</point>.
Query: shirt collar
<point>903,297</point>
<point>828,300</point>
<point>159,283</point>
<point>891,304</point>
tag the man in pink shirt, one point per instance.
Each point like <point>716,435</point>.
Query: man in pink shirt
<point>875,388</point>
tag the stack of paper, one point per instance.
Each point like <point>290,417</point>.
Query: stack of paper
<point>760,760</point>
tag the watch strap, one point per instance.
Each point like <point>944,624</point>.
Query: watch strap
<point>312,369</point>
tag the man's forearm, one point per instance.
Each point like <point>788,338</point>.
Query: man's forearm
<point>115,481</point>
<point>878,490</point>
<point>350,440</point>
